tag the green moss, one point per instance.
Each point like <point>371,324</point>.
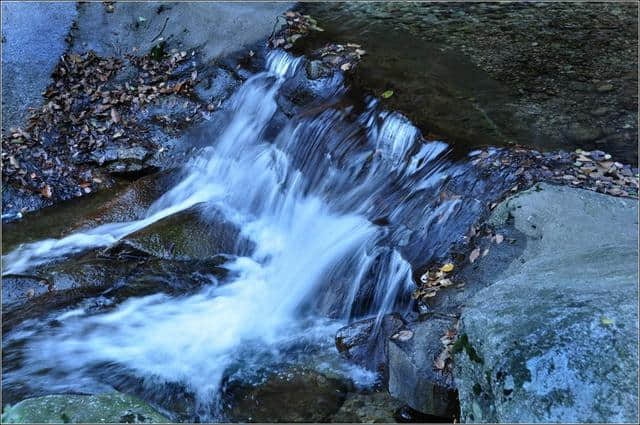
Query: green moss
<point>158,51</point>
<point>477,389</point>
<point>463,343</point>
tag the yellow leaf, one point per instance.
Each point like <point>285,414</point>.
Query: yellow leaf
<point>606,321</point>
<point>387,94</point>
<point>447,268</point>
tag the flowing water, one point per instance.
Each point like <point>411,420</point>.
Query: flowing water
<point>341,205</point>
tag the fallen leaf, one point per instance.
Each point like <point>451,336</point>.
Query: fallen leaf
<point>387,94</point>
<point>441,360</point>
<point>474,255</point>
<point>46,191</point>
<point>115,116</point>
<point>403,336</point>
<point>345,66</point>
<point>499,238</point>
<point>446,282</point>
<point>447,268</point>
<point>606,321</point>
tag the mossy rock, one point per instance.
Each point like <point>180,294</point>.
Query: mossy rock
<point>63,408</point>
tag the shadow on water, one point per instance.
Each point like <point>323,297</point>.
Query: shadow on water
<point>439,90</point>
<point>437,87</point>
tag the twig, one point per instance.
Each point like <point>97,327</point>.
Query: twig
<point>162,30</point>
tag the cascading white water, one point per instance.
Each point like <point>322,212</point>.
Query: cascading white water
<point>305,210</point>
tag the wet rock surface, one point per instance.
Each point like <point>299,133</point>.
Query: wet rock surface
<point>413,377</point>
<point>362,344</point>
<point>131,202</point>
<point>550,340</point>
<point>67,408</point>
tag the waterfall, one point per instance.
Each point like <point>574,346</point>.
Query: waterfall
<point>308,197</point>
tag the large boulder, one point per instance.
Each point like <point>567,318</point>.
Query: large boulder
<point>413,377</point>
<point>66,408</point>
<point>555,339</point>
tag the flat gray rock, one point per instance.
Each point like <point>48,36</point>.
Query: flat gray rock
<point>217,28</point>
<point>33,38</point>
<point>555,340</point>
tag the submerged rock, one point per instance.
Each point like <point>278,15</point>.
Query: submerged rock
<point>377,407</point>
<point>555,339</point>
<point>413,377</point>
<point>289,396</point>
<point>67,408</point>
<point>358,343</point>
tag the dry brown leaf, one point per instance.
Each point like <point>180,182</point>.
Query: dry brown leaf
<point>499,238</point>
<point>46,191</point>
<point>404,335</point>
<point>441,361</point>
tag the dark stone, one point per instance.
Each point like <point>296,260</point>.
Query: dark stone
<point>316,69</point>
<point>360,343</point>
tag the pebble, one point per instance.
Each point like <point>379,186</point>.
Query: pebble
<point>604,88</point>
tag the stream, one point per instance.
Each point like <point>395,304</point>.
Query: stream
<point>336,209</point>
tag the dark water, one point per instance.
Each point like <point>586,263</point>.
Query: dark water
<point>440,90</point>
<point>447,96</point>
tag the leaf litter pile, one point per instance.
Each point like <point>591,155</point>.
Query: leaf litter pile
<point>87,120</point>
